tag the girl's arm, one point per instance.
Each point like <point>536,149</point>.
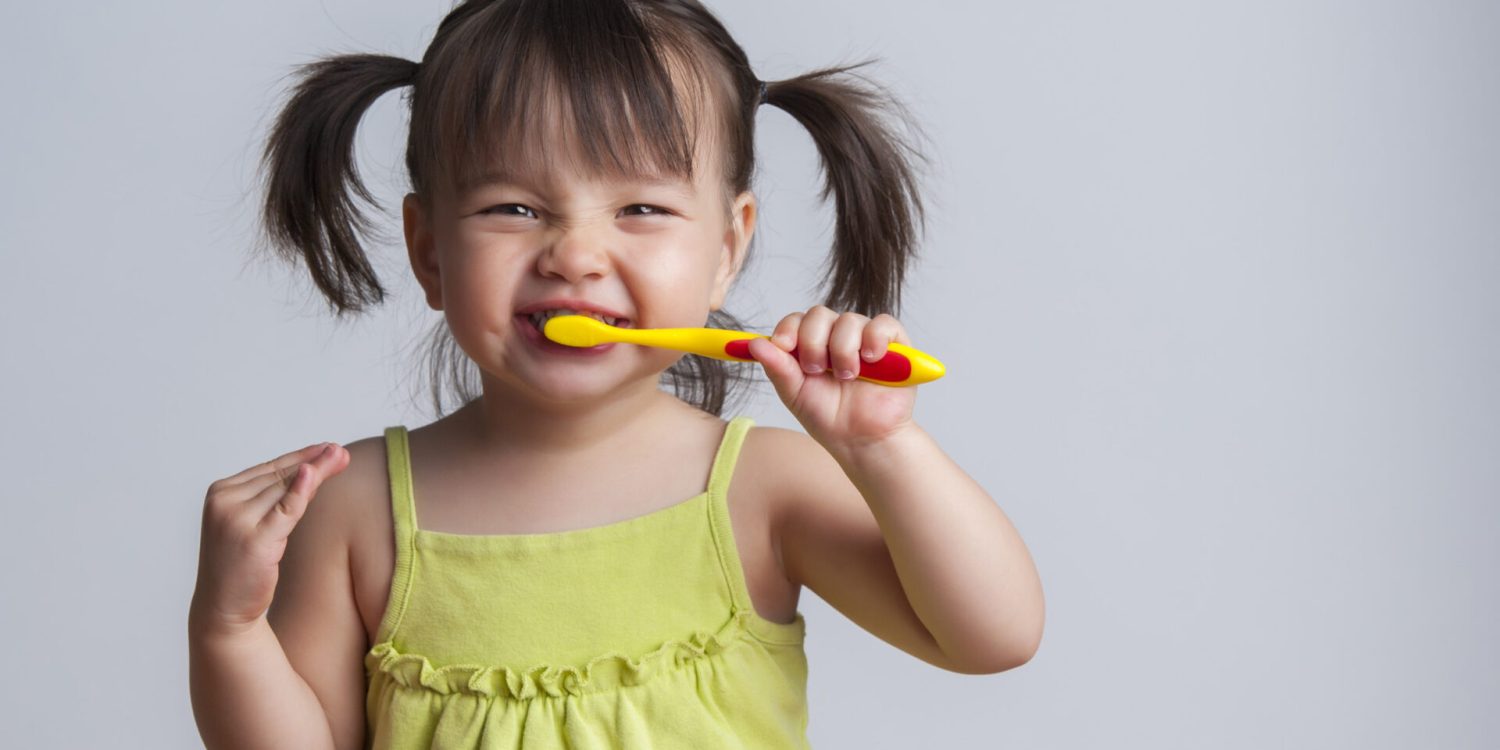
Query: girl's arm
<point>246,694</point>
<point>902,541</point>
<point>877,519</point>
<point>963,566</point>
<point>300,684</point>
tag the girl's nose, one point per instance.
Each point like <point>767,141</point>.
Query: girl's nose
<point>573,256</point>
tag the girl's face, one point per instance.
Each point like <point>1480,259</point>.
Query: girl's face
<point>660,254</point>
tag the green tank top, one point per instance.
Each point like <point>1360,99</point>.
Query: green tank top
<point>636,634</point>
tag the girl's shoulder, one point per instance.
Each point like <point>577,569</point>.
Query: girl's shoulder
<point>344,500</point>
<point>768,457</point>
<point>360,497</point>
<point>767,470</point>
<point>364,483</point>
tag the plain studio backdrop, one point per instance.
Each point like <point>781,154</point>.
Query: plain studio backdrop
<point>1216,284</point>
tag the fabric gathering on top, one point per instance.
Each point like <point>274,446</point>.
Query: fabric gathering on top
<point>635,635</point>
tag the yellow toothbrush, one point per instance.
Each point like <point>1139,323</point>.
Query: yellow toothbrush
<point>901,365</point>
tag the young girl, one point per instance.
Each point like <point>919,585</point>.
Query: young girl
<point>524,571</point>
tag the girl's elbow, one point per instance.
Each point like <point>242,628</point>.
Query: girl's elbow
<point>1006,663</point>
<point>995,661</point>
<point>1011,656</point>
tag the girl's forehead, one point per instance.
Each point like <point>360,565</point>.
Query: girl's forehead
<point>554,164</point>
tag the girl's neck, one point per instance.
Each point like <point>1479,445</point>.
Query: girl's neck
<point>502,421</point>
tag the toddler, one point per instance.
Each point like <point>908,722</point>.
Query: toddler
<point>524,572</point>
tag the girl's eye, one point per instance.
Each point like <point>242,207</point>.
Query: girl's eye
<point>499,210</point>
<point>653,210</point>
<point>503,209</point>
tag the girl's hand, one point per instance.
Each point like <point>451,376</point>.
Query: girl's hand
<point>837,410</point>
<point>246,521</point>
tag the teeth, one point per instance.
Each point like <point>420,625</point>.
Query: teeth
<point>541,318</point>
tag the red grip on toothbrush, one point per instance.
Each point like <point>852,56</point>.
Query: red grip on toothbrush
<point>892,368</point>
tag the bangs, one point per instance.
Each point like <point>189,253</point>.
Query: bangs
<point>585,86</point>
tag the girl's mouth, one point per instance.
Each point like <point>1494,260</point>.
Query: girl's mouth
<point>534,336</point>
<point>540,317</point>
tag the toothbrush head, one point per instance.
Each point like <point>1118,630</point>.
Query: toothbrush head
<point>578,330</point>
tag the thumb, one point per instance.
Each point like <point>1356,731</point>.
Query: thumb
<point>781,367</point>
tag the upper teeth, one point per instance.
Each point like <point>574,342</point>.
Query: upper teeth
<point>541,318</point>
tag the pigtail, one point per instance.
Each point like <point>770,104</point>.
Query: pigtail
<point>869,170</point>
<point>309,165</point>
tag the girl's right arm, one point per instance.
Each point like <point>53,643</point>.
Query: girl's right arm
<point>245,691</point>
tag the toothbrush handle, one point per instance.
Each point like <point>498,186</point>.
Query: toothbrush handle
<point>901,365</point>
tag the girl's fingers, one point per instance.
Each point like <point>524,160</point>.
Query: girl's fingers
<point>878,335</point>
<point>785,333</point>
<point>844,343</point>
<point>280,471</point>
<point>781,368</point>
<point>283,463</point>
<point>285,475</point>
<point>281,506</point>
<point>812,339</point>
<point>827,341</point>
<point>900,336</point>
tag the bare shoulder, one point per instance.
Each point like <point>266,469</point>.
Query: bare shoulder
<point>343,506</point>
<point>362,498</point>
<point>761,460</point>
<point>780,441</point>
<point>785,466</point>
<point>363,483</point>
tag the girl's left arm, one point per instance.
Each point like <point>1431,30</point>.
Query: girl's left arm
<point>958,562</point>
<point>962,564</point>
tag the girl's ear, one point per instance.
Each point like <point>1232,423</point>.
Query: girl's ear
<point>737,235</point>
<point>422,250</point>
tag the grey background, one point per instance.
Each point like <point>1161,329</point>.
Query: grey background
<point>1215,282</point>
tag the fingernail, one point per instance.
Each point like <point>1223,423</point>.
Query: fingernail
<point>813,369</point>
<point>846,375</point>
<point>869,354</point>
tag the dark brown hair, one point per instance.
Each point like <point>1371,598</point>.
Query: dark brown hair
<point>496,69</point>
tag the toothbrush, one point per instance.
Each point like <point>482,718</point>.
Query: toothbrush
<point>901,365</point>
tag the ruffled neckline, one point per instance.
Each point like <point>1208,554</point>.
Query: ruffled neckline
<point>602,673</point>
